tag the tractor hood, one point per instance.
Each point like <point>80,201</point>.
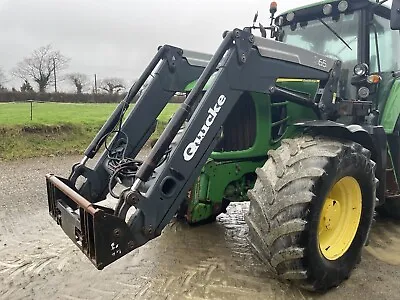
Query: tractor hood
<point>306,86</point>
<point>191,85</point>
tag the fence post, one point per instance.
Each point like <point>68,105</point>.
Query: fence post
<point>31,102</point>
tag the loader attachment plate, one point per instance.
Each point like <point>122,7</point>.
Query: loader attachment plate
<point>99,234</point>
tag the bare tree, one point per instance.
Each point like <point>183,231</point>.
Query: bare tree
<point>3,79</point>
<point>41,66</point>
<point>112,85</point>
<point>26,87</point>
<point>79,80</point>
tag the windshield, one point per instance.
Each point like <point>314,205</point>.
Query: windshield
<point>317,37</point>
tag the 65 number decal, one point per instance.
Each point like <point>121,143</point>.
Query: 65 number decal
<point>322,63</point>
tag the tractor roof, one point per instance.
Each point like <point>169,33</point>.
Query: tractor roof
<point>321,3</point>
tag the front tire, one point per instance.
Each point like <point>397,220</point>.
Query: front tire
<point>294,225</point>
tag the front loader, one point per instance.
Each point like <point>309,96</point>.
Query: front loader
<point>304,125</point>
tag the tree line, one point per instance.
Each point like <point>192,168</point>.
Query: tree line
<point>43,68</point>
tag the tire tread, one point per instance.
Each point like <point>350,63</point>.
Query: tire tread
<point>281,198</point>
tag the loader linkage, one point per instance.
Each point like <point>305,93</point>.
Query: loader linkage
<point>242,62</point>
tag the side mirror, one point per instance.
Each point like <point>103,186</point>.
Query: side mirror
<point>395,15</point>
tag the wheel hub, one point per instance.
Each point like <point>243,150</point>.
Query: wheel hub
<point>340,217</point>
<point>331,214</point>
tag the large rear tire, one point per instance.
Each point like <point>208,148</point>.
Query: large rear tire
<point>311,210</point>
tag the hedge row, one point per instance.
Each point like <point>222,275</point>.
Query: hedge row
<point>67,97</point>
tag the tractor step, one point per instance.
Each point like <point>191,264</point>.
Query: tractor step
<point>392,187</point>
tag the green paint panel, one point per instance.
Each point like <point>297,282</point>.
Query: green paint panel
<point>298,85</point>
<point>262,102</point>
<point>263,128</point>
<point>385,87</point>
<point>191,85</point>
<point>222,174</point>
<point>215,180</point>
<point>199,212</point>
<point>392,108</point>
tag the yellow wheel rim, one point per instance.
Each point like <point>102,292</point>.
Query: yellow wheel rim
<point>340,218</point>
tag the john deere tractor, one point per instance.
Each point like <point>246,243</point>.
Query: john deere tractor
<point>303,122</point>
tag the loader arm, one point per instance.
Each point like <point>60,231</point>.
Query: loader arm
<point>173,69</point>
<point>242,62</point>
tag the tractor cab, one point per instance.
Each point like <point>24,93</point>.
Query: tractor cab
<point>358,33</point>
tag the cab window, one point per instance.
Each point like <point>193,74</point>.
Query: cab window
<point>388,44</point>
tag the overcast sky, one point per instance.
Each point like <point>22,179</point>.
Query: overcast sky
<point>118,38</point>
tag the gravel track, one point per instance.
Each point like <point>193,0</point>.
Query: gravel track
<point>37,261</point>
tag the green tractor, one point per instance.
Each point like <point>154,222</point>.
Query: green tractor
<point>304,124</point>
<point>313,197</point>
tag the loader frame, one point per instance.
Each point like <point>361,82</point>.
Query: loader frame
<point>242,63</point>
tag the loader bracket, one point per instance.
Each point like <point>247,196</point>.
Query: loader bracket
<point>327,104</point>
<point>354,108</point>
<point>99,234</point>
<point>244,41</point>
<point>171,55</point>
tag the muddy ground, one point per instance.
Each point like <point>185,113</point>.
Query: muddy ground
<point>37,261</point>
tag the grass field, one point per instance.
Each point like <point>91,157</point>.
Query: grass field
<point>64,113</point>
<point>56,128</point>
